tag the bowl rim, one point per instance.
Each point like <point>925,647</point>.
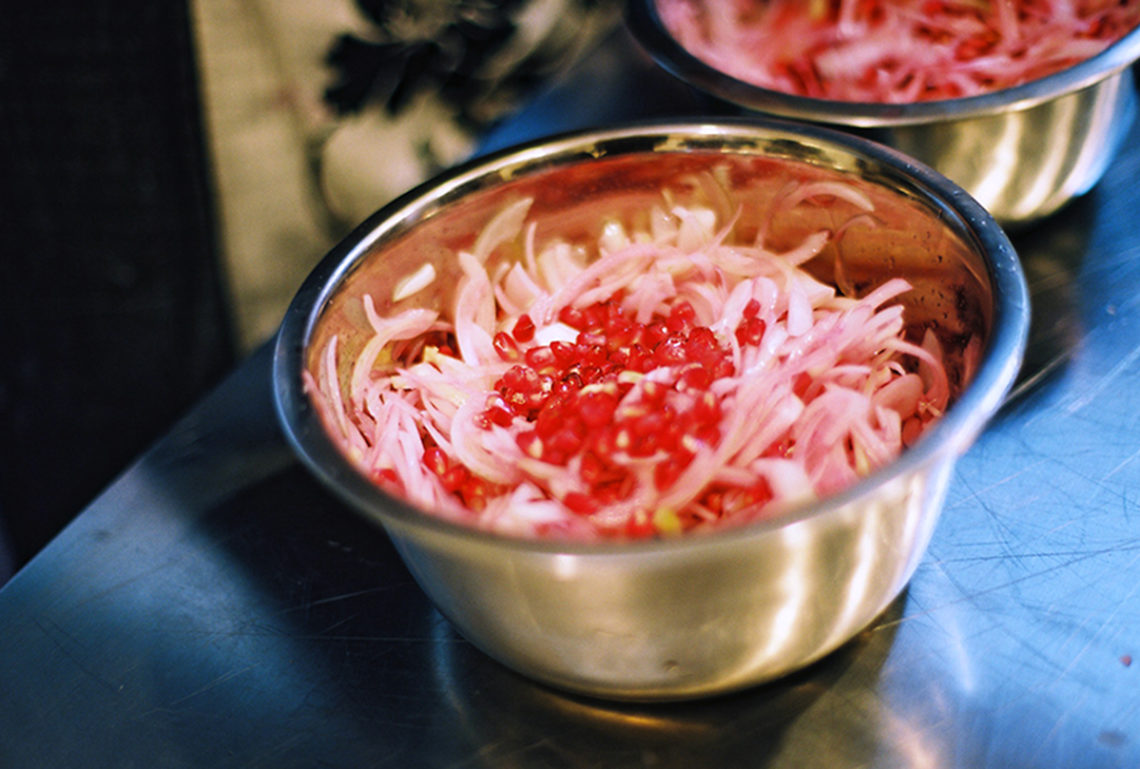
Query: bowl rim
<point>647,27</point>
<point>953,432</point>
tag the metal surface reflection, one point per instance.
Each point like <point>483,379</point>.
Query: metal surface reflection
<point>1023,151</point>
<point>1051,253</point>
<point>690,616</point>
<point>1026,164</point>
<point>511,722</point>
<point>216,608</point>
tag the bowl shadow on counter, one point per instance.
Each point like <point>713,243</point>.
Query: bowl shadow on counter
<point>337,615</point>
<point>518,719</point>
<point>518,723</point>
<point>381,667</point>
<point>1051,253</point>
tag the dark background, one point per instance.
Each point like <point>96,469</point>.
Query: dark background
<point>112,309</point>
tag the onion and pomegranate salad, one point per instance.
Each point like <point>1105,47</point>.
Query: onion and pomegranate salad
<point>895,51</point>
<point>663,379</point>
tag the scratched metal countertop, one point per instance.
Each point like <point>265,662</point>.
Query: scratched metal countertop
<point>216,608</point>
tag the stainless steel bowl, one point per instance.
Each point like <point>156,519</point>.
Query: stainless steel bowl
<point>701,614</point>
<point>1022,152</point>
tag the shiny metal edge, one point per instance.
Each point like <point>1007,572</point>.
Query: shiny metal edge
<point>645,23</point>
<point>993,380</point>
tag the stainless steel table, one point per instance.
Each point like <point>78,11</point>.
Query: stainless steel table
<point>216,608</point>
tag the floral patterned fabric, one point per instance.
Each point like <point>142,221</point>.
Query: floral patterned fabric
<point>318,114</point>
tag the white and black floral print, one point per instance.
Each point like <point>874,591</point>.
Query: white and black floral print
<point>416,84</point>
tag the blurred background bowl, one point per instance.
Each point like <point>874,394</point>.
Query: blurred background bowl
<point>701,614</point>
<point>1022,152</point>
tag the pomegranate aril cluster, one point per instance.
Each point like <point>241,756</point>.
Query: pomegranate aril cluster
<point>580,397</point>
<point>589,401</point>
<point>472,490</point>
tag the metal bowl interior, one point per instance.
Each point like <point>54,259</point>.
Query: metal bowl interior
<point>1023,152</point>
<point>690,616</point>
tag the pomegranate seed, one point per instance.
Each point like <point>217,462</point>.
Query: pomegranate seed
<point>714,501</point>
<point>620,331</point>
<point>639,526</point>
<point>435,460</point>
<point>595,317</point>
<point>603,441</point>
<point>505,346</point>
<point>579,503</point>
<point>499,416</point>
<point>387,479</point>
<point>669,469</point>
<point>708,434</point>
<point>736,500</point>
<point>707,409</point>
<point>656,333</point>
<point>649,423</point>
<point>702,337</point>
<point>572,317</point>
<point>474,493</point>
<point>587,338</point>
<point>750,331</point>
<point>653,392</point>
<point>609,376</point>
<point>590,374</point>
<point>540,358</point>
<point>563,388</point>
<point>455,477</point>
<point>695,377</point>
<point>619,487</point>
<point>568,384</point>
<point>524,329</point>
<point>681,317</point>
<point>671,351</point>
<point>535,401</point>
<point>497,411</point>
<point>618,360</point>
<point>781,449</point>
<point>752,309</point>
<point>596,407</point>
<point>637,337</point>
<point>596,355</point>
<point>623,439</point>
<point>627,412</point>
<point>640,359</point>
<point>670,438</point>
<point>520,379</point>
<point>564,352</point>
<point>530,443</point>
<point>647,436</point>
<point>972,48</point>
<point>593,471</point>
<point>551,416</point>
<point>574,396</point>
<point>644,445</point>
<point>722,368</point>
<point>613,305</point>
<point>533,384</point>
<point>713,360</point>
<point>517,402</point>
<point>563,444</point>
